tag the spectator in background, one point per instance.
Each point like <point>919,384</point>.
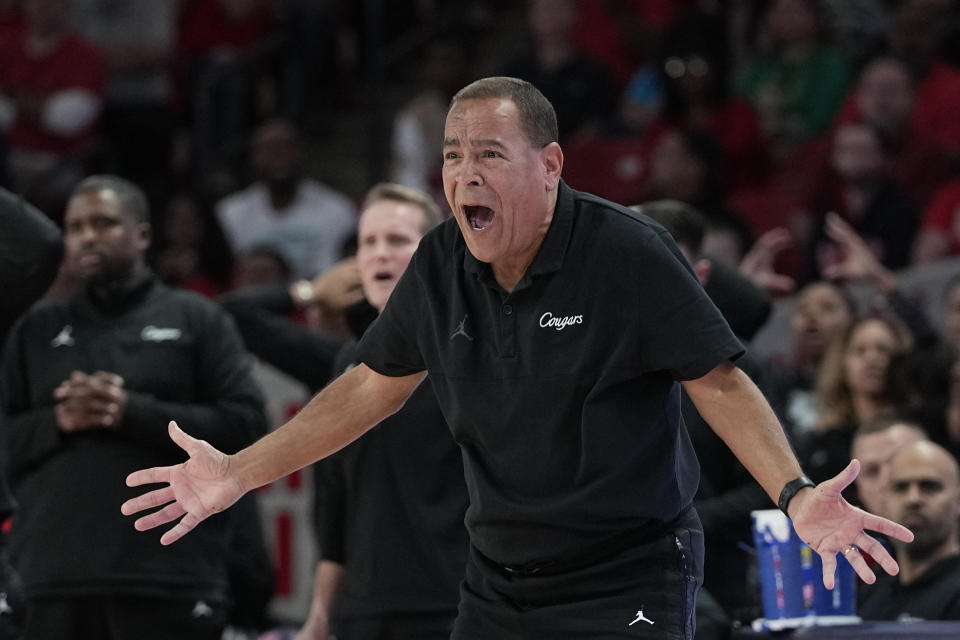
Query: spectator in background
<point>418,124</point>
<point>138,39</point>
<point>222,68</point>
<point>579,87</point>
<point>923,492</point>
<point>51,91</point>
<point>874,445</point>
<point>917,35</point>
<point>694,70</point>
<point>854,385</point>
<point>863,193</point>
<point>306,221</point>
<point>823,310</point>
<point>885,97</point>
<point>794,79</point>
<point>90,382</point>
<point>192,252</point>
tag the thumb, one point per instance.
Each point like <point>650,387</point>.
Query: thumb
<point>183,440</point>
<point>843,479</point>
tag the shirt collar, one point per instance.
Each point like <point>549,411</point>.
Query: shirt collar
<point>550,256</point>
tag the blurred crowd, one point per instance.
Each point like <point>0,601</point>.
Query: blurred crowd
<point>801,149</point>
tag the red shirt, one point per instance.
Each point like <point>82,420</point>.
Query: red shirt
<point>205,27</point>
<point>73,64</point>
<point>943,212</point>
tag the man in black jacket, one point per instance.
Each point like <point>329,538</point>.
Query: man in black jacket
<point>91,382</point>
<point>30,253</point>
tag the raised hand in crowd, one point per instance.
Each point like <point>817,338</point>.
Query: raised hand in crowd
<point>757,265</point>
<point>857,261</point>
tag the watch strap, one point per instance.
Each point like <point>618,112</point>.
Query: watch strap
<point>790,489</point>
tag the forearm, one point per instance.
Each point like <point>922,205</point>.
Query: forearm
<point>338,415</point>
<point>326,584</point>
<point>736,410</point>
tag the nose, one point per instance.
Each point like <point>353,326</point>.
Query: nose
<point>470,173</point>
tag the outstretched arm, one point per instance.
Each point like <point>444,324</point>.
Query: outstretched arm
<point>210,481</point>
<point>737,411</point>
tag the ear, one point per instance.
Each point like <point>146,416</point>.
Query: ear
<point>144,236</point>
<point>552,158</point>
<point>702,269</point>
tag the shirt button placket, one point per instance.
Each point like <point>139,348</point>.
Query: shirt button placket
<point>508,330</point>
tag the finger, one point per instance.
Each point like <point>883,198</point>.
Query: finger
<point>168,514</point>
<point>152,475</point>
<point>185,526</point>
<point>148,500</point>
<point>78,377</point>
<point>110,378</point>
<point>856,560</point>
<point>829,559</point>
<point>781,284</point>
<point>183,440</point>
<point>843,479</point>
<point>878,553</point>
<point>887,527</point>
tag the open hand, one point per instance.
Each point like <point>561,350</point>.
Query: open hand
<point>196,489</point>
<point>831,525</point>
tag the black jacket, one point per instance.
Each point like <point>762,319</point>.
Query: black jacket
<point>30,253</point>
<point>181,359</point>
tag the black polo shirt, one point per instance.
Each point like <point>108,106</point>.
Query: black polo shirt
<point>561,394</point>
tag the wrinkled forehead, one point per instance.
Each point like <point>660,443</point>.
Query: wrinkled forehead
<point>482,117</point>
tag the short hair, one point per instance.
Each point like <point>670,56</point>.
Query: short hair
<point>684,222</point>
<point>132,199</point>
<point>882,423</point>
<point>402,193</point>
<point>537,116</point>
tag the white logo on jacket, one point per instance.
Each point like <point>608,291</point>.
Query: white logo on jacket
<point>559,322</point>
<point>151,333</point>
<point>63,339</point>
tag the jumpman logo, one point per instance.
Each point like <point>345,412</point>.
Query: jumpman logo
<point>461,331</point>
<point>63,339</point>
<point>640,617</point>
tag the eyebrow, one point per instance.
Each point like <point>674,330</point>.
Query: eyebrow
<point>479,142</point>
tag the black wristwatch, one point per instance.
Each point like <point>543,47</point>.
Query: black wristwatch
<point>790,489</point>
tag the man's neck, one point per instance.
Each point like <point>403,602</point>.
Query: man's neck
<point>915,563</point>
<point>282,195</point>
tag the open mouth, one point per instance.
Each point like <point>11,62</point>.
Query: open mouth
<point>382,276</point>
<point>478,217</point>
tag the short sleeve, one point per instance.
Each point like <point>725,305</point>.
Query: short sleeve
<point>389,346</point>
<point>681,330</point>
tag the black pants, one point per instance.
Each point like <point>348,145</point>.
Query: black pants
<point>413,626</point>
<point>123,618</point>
<point>648,591</point>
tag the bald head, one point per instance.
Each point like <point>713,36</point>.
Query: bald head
<point>924,495</point>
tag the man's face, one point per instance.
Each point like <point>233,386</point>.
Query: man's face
<point>924,495</point>
<point>388,234</point>
<point>874,451</point>
<point>498,185</point>
<point>885,95</point>
<point>103,241</point>
<point>277,156</point>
